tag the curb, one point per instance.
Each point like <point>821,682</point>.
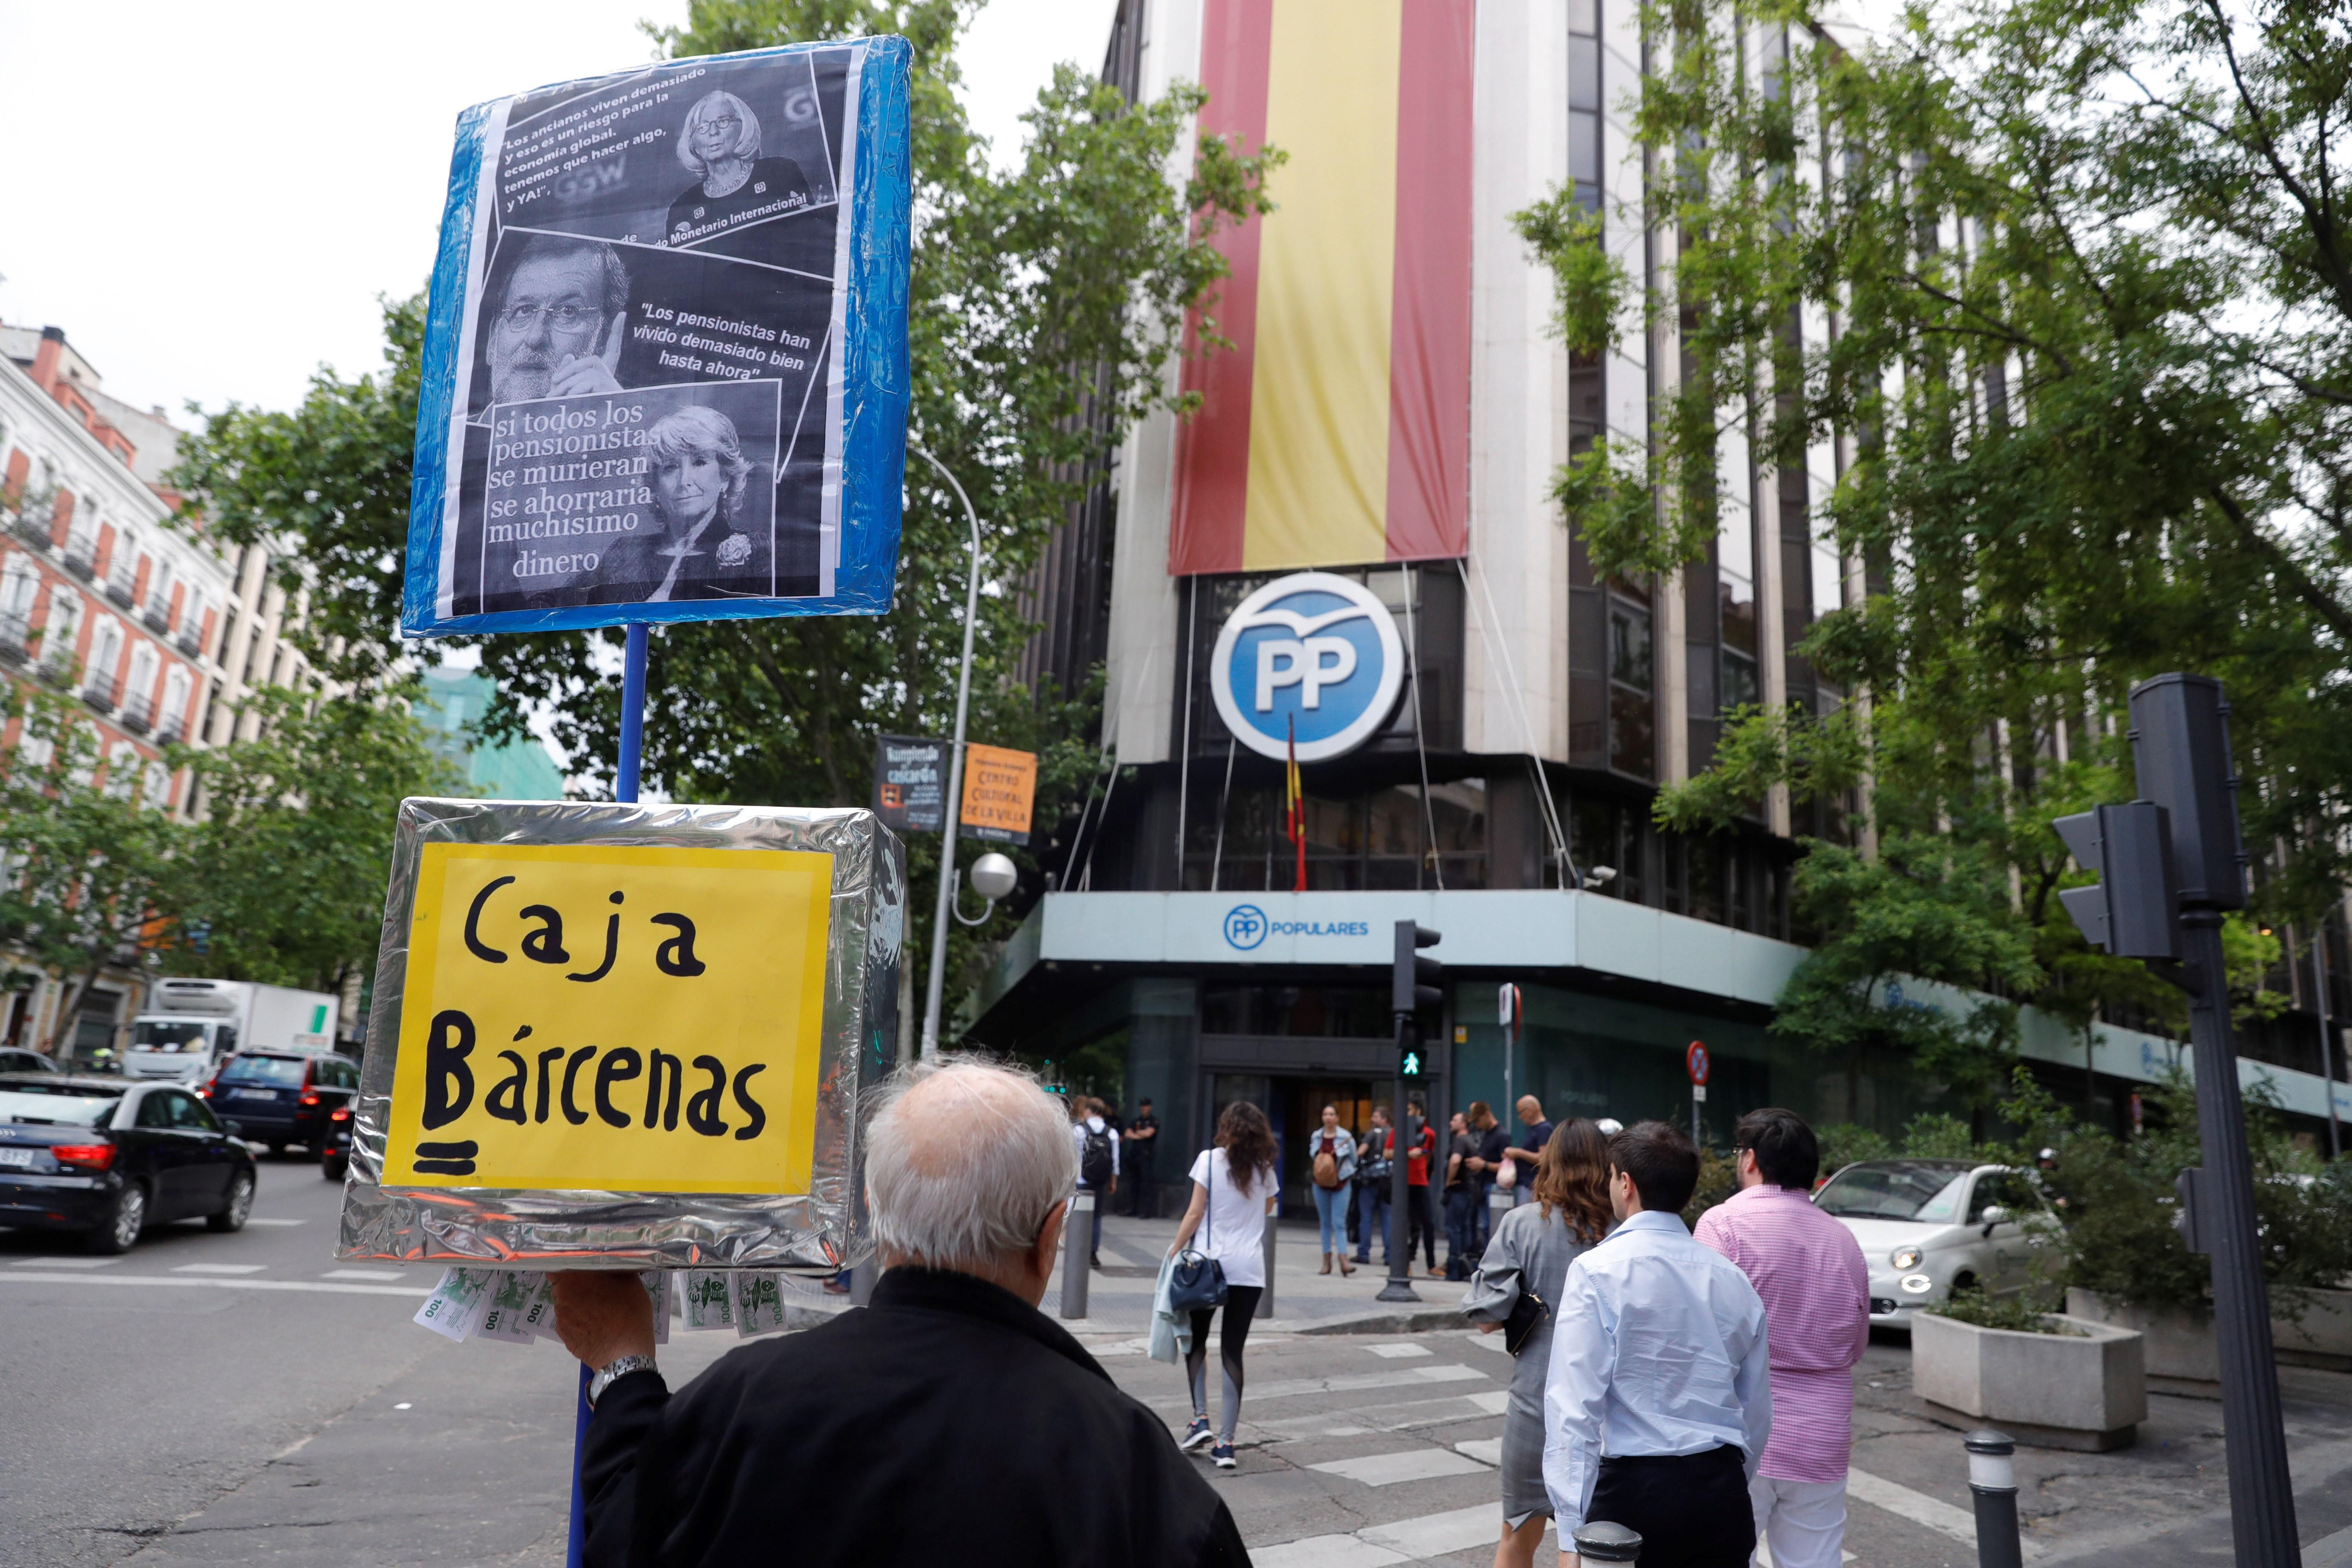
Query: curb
<point>1425,1319</point>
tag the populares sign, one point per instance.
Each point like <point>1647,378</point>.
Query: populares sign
<point>665,365</point>
<point>610,1017</point>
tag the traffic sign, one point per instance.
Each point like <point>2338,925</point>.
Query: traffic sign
<point>1507,1005</point>
<point>1695,1060</point>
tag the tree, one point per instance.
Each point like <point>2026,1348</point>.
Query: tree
<point>84,847</point>
<point>1046,303</point>
<point>2092,374</point>
<point>283,881</point>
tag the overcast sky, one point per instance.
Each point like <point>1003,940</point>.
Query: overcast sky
<point>209,198</point>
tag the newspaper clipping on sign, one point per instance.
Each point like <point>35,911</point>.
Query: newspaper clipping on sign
<point>666,383</point>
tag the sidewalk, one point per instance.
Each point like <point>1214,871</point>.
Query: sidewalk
<point>1306,1301</point>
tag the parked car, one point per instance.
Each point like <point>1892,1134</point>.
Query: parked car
<point>15,1059</point>
<point>336,1157</point>
<point>283,1097</point>
<point>1930,1227</point>
<point>107,1158</point>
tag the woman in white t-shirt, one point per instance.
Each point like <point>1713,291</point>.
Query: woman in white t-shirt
<point>1234,1188</point>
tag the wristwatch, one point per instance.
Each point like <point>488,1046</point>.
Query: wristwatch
<point>613,1372</point>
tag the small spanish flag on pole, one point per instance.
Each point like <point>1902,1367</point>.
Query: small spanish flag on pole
<point>1293,808</point>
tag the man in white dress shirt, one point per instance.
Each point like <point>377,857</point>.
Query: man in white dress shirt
<point>1658,1399</point>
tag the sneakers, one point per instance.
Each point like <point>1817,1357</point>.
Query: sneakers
<point>1195,1435</point>
<point>1222,1454</point>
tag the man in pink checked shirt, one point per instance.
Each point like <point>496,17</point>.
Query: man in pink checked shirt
<point>1809,1271</point>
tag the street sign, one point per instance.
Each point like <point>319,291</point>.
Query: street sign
<point>1000,794</point>
<point>1507,1005</point>
<point>911,785</point>
<point>1695,1060</point>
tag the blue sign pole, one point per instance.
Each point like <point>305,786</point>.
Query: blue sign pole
<point>632,735</point>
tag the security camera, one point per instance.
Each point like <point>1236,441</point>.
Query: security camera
<point>1599,877</point>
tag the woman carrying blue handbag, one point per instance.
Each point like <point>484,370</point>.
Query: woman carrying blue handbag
<point>1234,1188</point>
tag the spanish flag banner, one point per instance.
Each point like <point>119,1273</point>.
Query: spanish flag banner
<point>1336,431</point>
<point>1293,808</point>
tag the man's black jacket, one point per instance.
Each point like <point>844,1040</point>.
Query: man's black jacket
<point>949,1421</point>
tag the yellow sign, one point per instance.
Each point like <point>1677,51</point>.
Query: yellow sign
<point>611,1018</point>
<point>1000,789</point>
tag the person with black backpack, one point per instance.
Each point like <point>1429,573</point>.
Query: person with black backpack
<point>1097,1164</point>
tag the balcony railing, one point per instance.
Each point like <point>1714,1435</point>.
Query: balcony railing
<point>158,617</point>
<point>14,632</point>
<point>171,730</point>
<point>99,694</point>
<point>138,713</point>
<point>119,590</point>
<point>33,530</point>
<point>190,642</point>
<point>80,561</point>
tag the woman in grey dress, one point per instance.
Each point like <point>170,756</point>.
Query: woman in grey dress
<point>1532,1246</point>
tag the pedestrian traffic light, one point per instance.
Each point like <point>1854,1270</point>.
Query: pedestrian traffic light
<point>1409,1061</point>
<point>1414,983</point>
<point>2134,908</point>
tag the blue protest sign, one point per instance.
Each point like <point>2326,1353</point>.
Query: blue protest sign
<point>664,371</point>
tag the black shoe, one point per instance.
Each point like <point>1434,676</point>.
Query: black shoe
<point>1095,1259</point>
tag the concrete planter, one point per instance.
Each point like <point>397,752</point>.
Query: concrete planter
<point>2323,1337</point>
<point>2084,1390</point>
<point>2182,1356</point>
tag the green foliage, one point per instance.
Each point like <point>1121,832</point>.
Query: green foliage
<point>1933,1136</point>
<point>1843,1142</point>
<point>1925,909</point>
<point>1718,1178</point>
<point>87,846</point>
<point>285,875</point>
<point>2019,1313</point>
<point>1040,298</point>
<point>1821,757</point>
<point>2117,1199</point>
<point>1589,285</point>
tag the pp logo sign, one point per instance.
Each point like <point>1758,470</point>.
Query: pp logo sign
<point>1310,656</point>
<point>1246,926</point>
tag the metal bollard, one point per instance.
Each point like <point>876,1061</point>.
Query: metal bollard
<point>1077,1232</point>
<point>1498,1203</point>
<point>1992,1477</point>
<point>1265,1297</point>
<point>1607,1542</point>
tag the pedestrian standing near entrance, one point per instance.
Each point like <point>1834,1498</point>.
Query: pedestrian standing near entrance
<point>1516,1288</point>
<point>1375,1169</point>
<point>881,1437</point>
<point>1658,1361</point>
<point>1815,1285</point>
<point>1234,1190</point>
<point>1420,1144</point>
<point>1461,1194</point>
<point>1142,1141</point>
<point>1492,1141</point>
<point>1529,1148</point>
<point>1331,1153</point>
<point>1097,1166</point>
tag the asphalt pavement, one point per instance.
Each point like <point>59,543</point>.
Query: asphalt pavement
<point>213,1399</point>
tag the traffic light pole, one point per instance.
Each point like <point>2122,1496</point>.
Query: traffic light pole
<point>2262,1492</point>
<point>1400,1285</point>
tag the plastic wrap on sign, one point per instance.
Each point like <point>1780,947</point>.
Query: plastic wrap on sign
<point>665,366</point>
<point>624,1036</point>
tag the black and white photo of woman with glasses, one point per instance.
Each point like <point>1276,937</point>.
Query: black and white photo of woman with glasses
<point>734,186</point>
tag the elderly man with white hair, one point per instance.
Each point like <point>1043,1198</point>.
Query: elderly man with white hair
<point>950,1420</point>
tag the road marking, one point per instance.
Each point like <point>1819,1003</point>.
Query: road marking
<point>220,1269</point>
<point>1917,1506</point>
<point>1381,1545</point>
<point>1389,1417</point>
<point>364,1274</point>
<point>191,1281</point>
<point>1290,1388</point>
<point>1404,1351</point>
<point>1764,1556</point>
<point>65,1263</point>
<point>1407,1464</point>
<point>1493,1342</point>
<point>256,1219</point>
<point>1485,1450</point>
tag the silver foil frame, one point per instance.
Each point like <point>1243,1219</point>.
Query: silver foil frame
<point>477,1226</point>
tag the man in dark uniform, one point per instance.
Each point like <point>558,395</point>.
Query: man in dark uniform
<point>1142,1136</point>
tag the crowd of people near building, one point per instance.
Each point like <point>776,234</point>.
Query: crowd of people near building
<point>1695,1389</point>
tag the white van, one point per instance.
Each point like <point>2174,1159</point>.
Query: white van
<point>190,1026</point>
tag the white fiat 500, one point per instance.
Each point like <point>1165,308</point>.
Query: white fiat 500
<point>1928,1227</point>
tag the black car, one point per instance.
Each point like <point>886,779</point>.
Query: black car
<point>107,1158</point>
<point>283,1097</point>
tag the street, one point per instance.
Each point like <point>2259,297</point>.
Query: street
<point>247,1399</point>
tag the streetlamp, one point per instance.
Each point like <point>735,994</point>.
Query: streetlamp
<point>953,811</point>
